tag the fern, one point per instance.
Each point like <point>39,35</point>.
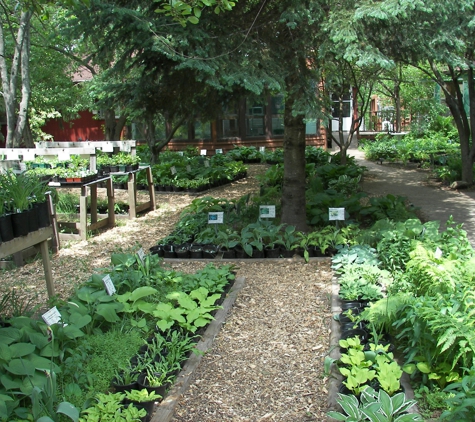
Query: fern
<point>385,311</point>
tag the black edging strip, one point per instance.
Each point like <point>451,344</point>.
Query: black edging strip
<point>165,410</point>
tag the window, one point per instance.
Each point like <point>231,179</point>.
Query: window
<point>277,107</point>
<point>255,120</point>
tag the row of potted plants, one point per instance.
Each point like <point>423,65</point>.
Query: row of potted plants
<point>23,206</point>
<point>136,322</point>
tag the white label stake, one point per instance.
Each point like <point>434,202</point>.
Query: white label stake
<point>109,285</point>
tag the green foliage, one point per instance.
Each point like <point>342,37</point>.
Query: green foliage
<point>110,407</point>
<point>461,399</point>
<point>375,407</point>
<point>356,254</point>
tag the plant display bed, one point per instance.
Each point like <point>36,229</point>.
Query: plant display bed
<point>166,313</point>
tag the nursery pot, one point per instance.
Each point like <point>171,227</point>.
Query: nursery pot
<point>168,251</point>
<point>228,253</point>
<point>272,252</point>
<point>143,383</point>
<point>210,251</point>
<point>33,223</point>
<point>120,388</point>
<point>157,250</point>
<point>20,224</point>
<point>240,252</point>
<point>43,214</point>
<point>256,253</point>
<point>6,228</point>
<point>196,251</point>
<point>361,334</point>
<point>182,251</point>
<point>287,253</point>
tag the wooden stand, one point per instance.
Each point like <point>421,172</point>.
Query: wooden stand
<point>150,205</point>
<point>83,227</point>
<point>37,238</point>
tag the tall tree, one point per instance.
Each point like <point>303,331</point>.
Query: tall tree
<point>435,36</point>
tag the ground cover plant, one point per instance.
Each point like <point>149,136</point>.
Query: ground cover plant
<point>63,368</point>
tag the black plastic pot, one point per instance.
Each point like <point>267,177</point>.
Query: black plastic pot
<point>240,252</point>
<point>143,383</point>
<point>168,251</point>
<point>210,251</point>
<point>6,228</point>
<point>43,214</point>
<point>182,251</point>
<point>228,253</point>
<point>196,251</point>
<point>119,388</point>
<point>272,252</point>
<point>20,224</point>
<point>157,250</point>
<point>362,334</point>
<point>287,253</point>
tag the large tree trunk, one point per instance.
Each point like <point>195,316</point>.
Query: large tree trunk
<point>293,189</point>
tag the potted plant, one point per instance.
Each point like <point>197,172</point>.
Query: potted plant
<point>143,400</point>
<point>227,239</point>
<point>289,241</point>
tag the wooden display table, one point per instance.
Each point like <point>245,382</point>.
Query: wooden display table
<point>37,238</point>
<point>134,208</point>
<point>89,189</point>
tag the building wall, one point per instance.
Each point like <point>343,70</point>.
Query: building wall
<point>82,129</point>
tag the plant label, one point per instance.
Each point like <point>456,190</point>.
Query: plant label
<point>64,155</point>
<point>141,255</point>
<point>54,184</point>
<point>215,217</point>
<point>203,152</point>
<point>267,211</point>
<point>262,149</point>
<point>52,316</point>
<point>173,170</point>
<point>188,168</point>
<point>438,253</point>
<point>126,147</point>
<point>336,214</point>
<point>108,147</point>
<point>219,151</point>
<point>22,167</point>
<point>206,163</point>
<point>181,153</point>
<point>109,285</point>
<point>29,155</point>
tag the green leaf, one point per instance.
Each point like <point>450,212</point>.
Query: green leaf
<point>142,292</point>
<point>194,20</point>
<point>423,367</point>
<point>20,367</point>
<point>10,384</point>
<point>108,311</point>
<point>69,410</point>
<point>5,352</point>
<point>9,335</point>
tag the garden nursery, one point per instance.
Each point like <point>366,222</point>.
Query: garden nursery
<point>113,349</point>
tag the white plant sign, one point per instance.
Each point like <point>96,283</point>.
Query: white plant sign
<point>336,214</point>
<point>52,316</point>
<point>109,285</point>
<point>215,218</point>
<point>267,211</point>
<point>141,255</point>
<point>219,151</point>
<point>203,152</point>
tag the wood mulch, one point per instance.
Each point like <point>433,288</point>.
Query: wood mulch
<point>266,364</point>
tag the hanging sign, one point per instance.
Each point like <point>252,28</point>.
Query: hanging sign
<point>109,285</point>
<point>203,152</point>
<point>64,155</point>
<point>219,151</point>
<point>215,217</point>
<point>107,147</point>
<point>336,214</point>
<point>267,211</point>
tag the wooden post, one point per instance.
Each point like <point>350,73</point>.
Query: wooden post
<point>47,268</point>
<point>132,189</point>
<point>110,202</point>
<point>93,203</point>
<point>151,188</point>
<point>83,213</point>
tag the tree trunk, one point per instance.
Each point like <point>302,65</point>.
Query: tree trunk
<point>293,189</point>
<point>397,103</point>
<point>113,126</point>
<point>20,60</point>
